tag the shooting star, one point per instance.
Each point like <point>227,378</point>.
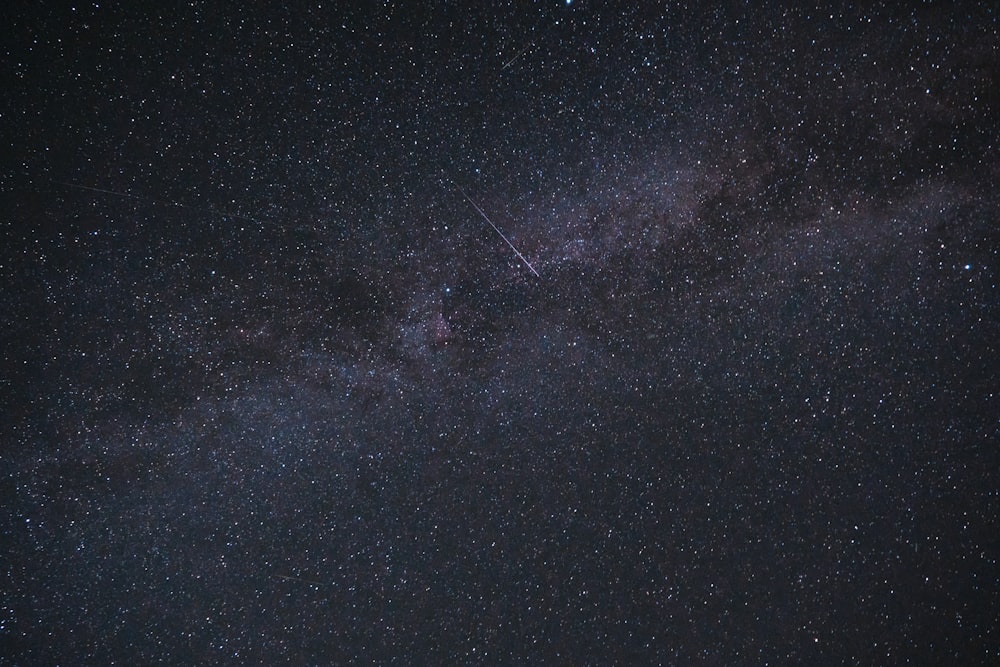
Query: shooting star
<point>516,56</point>
<point>496,229</point>
<point>161,202</point>
<point>305,581</point>
<point>77,186</point>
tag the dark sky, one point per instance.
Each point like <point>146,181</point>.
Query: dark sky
<point>532,333</point>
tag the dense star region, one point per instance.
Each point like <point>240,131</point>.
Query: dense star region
<point>519,333</point>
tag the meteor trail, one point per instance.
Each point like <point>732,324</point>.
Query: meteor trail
<point>496,229</point>
<point>161,202</point>
<point>518,55</point>
<point>90,189</point>
<point>305,581</point>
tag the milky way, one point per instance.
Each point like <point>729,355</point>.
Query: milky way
<point>554,333</point>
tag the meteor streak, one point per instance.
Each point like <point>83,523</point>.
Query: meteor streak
<point>161,202</point>
<point>305,581</point>
<point>496,229</point>
<point>518,55</point>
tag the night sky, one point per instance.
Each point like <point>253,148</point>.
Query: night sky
<point>532,333</point>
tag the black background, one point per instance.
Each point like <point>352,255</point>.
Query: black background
<point>274,392</point>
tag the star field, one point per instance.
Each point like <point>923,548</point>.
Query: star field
<point>553,332</point>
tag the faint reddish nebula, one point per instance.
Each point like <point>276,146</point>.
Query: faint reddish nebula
<point>439,329</point>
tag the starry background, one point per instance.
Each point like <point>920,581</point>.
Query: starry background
<point>274,392</point>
